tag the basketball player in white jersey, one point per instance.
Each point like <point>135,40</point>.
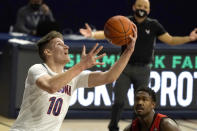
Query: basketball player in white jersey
<point>48,87</point>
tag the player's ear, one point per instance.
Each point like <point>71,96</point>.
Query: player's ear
<point>153,105</point>
<point>47,52</point>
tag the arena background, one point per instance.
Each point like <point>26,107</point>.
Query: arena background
<point>177,16</point>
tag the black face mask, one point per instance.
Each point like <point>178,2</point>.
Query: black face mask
<point>141,13</point>
<point>35,6</point>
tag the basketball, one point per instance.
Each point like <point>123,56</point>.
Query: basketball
<point>117,30</point>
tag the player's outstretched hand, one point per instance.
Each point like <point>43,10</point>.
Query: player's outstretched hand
<point>131,45</point>
<point>193,35</point>
<point>89,60</point>
<point>87,32</point>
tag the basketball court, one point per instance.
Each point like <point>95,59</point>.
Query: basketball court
<point>96,124</point>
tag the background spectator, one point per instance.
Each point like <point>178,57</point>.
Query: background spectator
<point>31,15</point>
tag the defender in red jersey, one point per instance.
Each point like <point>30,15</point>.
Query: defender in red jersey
<point>147,119</point>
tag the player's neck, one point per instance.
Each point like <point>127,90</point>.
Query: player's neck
<point>55,67</point>
<point>147,120</point>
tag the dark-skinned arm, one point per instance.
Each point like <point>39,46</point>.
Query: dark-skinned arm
<point>168,124</point>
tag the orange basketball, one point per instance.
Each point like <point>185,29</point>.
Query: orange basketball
<point>117,30</point>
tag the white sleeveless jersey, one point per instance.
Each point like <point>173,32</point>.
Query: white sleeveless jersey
<point>41,111</point>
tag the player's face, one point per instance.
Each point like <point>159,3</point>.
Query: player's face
<point>59,51</point>
<point>143,104</point>
<point>143,5</point>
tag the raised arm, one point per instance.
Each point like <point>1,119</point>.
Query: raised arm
<point>47,11</point>
<point>100,78</point>
<point>178,40</point>
<point>88,33</point>
<point>53,84</point>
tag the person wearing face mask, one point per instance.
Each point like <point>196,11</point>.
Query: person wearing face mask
<point>138,69</point>
<point>31,15</point>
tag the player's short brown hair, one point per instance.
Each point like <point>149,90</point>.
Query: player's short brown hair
<point>45,40</point>
<point>148,90</point>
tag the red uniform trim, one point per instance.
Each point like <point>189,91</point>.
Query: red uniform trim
<point>155,125</point>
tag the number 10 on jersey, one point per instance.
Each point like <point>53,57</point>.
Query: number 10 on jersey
<point>55,106</point>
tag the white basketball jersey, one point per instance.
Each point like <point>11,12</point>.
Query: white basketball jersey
<point>41,111</point>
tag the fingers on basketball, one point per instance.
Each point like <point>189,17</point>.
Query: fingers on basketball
<point>117,30</point>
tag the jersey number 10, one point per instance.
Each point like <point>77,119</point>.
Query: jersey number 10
<point>55,106</point>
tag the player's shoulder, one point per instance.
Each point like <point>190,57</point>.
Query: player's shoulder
<point>36,67</point>
<point>169,124</point>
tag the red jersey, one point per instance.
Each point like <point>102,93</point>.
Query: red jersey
<point>155,124</point>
